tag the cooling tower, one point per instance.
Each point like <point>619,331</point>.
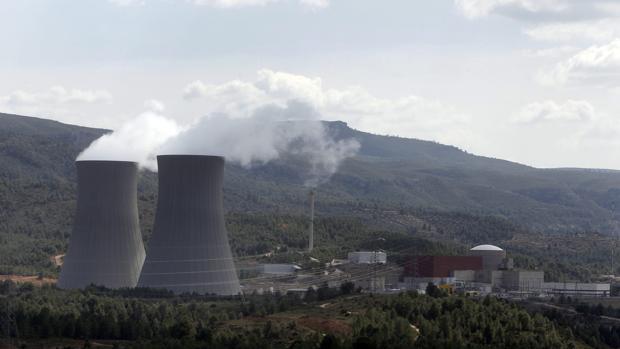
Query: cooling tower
<point>189,250</point>
<point>106,245</point>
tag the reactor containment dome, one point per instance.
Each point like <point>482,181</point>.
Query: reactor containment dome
<point>189,249</point>
<point>492,256</point>
<point>106,245</point>
<point>486,248</point>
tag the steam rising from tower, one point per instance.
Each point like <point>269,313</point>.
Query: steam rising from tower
<point>271,132</point>
<point>189,249</point>
<point>106,245</point>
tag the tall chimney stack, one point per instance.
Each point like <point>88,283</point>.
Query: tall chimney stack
<point>311,229</point>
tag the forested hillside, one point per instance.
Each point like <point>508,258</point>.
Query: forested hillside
<point>388,171</point>
<point>394,185</point>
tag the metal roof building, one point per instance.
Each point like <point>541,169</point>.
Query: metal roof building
<point>189,249</point>
<point>106,245</point>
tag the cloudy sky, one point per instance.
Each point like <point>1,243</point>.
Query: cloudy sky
<point>533,81</point>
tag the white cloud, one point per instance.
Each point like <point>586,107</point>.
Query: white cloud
<point>412,116</point>
<point>571,110</point>
<point>598,65</point>
<point>290,86</point>
<point>231,3</point>
<point>314,4</point>
<point>480,8</point>
<point>235,98</point>
<point>593,30</point>
<point>570,133</point>
<point>552,52</point>
<point>317,4</point>
<point>604,135</point>
<point>58,102</point>
<point>154,105</point>
<point>57,95</point>
<point>194,90</point>
<point>128,2</point>
<point>553,20</point>
<point>610,7</point>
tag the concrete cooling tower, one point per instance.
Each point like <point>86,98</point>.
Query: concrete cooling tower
<point>189,250</point>
<point>106,245</point>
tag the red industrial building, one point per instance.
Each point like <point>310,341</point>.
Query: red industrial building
<point>441,266</point>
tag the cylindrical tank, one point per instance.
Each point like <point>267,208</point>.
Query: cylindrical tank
<point>106,245</point>
<point>189,249</point>
<point>492,256</point>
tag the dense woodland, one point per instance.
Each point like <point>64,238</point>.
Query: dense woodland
<point>327,318</point>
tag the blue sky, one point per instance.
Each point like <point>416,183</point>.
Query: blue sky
<point>534,81</point>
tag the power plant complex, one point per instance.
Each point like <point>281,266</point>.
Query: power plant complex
<point>189,251</point>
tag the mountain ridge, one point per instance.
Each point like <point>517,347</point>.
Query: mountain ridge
<point>391,172</point>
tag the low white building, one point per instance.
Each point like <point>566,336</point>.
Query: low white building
<point>576,289</point>
<point>518,280</point>
<point>367,257</point>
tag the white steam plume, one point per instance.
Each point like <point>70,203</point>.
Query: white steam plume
<point>134,141</point>
<point>271,132</point>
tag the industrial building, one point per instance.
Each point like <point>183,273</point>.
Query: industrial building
<point>487,269</point>
<point>106,245</point>
<point>485,265</point>
<point>367,257</point>
<point>575,289</point>
<point>498,271</point>
<point>515,280</point>
<point>441,266</point>
<point>439,270</point>
<point>189,250</point>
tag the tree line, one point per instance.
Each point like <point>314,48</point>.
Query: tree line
<point>145,318</point>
